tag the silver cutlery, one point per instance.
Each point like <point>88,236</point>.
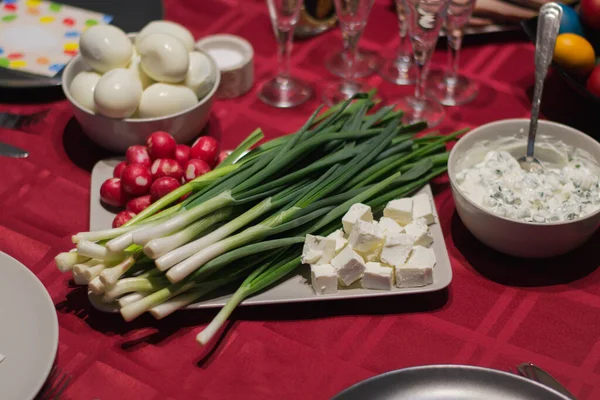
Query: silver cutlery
<point>530,371</point>
<point>57,382</point>
<point>8,150</point>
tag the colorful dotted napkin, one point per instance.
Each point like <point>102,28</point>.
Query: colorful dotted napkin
<point>40,37</point>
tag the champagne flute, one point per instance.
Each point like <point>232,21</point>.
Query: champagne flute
<point>425,18</point>
<point>352,15</point>
<point>365,64</point>
<point>399,69</point>
<point>283,90</point>
<point>450,88</point>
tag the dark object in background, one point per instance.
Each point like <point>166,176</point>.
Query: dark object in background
<point>316,17</point>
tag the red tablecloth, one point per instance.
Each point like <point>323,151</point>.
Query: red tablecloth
<point>497,312</point>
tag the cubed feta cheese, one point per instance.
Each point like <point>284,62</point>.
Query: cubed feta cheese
<point>378,277</point>
<point>422,208</point>
<point>400,210</point>
<point>356,212</point>
<point>422,257</point>
<point>413,276</point>
<point>365,237</point>
<point>373,255</point>
<point>340,240</point>
<point>396,248</point>
<point>389,225</point>
<point>420,231</point>
<point>318,250</point>
<point>324,279</point>
<point>349,266</point>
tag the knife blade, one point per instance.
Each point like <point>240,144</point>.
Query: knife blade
<point>8,150</point>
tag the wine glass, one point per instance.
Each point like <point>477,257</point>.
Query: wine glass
<point>283,90</point>
<point>425,18</point>
<point>450,88</point>
<point>365,64</point>
<point>399,69</point>
<point>352,15</point>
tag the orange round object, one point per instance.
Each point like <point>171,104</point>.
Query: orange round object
<point>574,53</point>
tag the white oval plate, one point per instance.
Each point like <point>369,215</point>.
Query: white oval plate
<point>28,331</point>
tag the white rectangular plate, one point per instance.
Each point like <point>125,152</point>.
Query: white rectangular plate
<point>296,288</point>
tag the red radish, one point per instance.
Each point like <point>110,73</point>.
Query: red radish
<point>121,218</point>
<point>163,186</point>
<point>119,169</point>
<point>206,148</point>
<point>185,196</point>
<point>136,179</point>
<point>195,168</point>
<point>166,167</point>
<point>182,154</point>
<point>223,155</point>
<point>138,154</point>
<point>161,145</point>
<point>139,204</point>
<point>112,193</point>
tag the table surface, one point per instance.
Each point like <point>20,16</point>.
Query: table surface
<point>498,311</point>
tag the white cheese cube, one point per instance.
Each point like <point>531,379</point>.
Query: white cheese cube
<point>340,240</point>
<point>324,279</point>
<point>413,276</point>
<point>318,250</point>
<point>389,225</point>
<point>349,266</point>
<point>422,257</point>
<point>378,277</point>
<point>397,248</point>
<point>357,212</point>
<point>365,237</point>
<point>400,210</point>
<point>422,208</point>
<point>373,255</point>
<point>420,231</point>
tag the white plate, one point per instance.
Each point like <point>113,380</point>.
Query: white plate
<point>294,289</point>
<point>28,331</point>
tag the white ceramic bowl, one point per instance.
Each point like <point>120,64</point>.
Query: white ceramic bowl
<point>519,238</point>
<point>118,134</point>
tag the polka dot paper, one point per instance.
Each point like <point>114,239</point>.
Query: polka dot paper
<point>40,37</point>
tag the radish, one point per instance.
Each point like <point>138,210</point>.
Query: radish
<point>206,148</point>
<point>119,169</point>
<point>195,168</point>
<point>161,145</point>
<point>112,193</point>
<point>185,196</point>
<point>166,167</point>
<point>223,155</point>
<point>182,154</point>
<point>138,204</point>
<point>138,154</point>
<point>136,179</point>
<point>163,186</point>
<point>121,218</point>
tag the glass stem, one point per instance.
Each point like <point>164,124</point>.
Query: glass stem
<point>420,84</point>
<point>454,45</point>
<point>284,52</point>
<point>403,50</point>
<point>350,44</point>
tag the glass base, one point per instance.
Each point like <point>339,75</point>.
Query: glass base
<point>340,91</point>
<point>399,71</point>
<point>366,63</point>
<point>428,110</point>
<point>456,93</point>
<point>284,93</point>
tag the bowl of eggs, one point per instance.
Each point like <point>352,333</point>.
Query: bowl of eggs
<point>123,87</point>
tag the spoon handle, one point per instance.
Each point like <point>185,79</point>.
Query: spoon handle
<point>547,30</point>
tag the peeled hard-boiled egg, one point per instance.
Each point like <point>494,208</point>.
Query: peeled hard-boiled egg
<point>168,28</point>
<point>136,68</point>
<point>82,89</point>
<point>201,74</point>
<point>118,93</point>
<point>161,99</point>
<point>105,47</point>
<point>164,58</point>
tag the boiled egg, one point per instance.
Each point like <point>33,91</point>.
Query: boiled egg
<point>162,99</point>
<point>201,75</point>
<point>118,93</point>
<point>136,68</point>
<point>168,28</point>
<point>105,47</point>
<point>164,58</point>
<point>82,89</point>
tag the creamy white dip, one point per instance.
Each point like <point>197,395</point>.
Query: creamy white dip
<point>567,188</point>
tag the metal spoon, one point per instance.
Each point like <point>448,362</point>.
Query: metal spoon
<point>528,370</point>
<point>547,30</point>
